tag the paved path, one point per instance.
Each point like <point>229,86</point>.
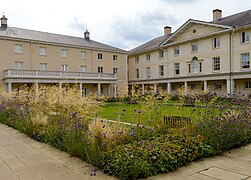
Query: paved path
<point>25,159</point>
<point>22,158</point>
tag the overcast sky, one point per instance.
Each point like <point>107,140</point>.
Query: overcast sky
<point>124,24</point>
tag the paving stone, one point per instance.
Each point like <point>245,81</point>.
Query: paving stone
<point>58,173</point>
<point>214,172</point>
<point>8,175</point>
<point>56,154</point>
<point>45,166</point>
<point>3,167</point>
<point>73,162</point>
<point>34,158</point>
<point>13,162</point>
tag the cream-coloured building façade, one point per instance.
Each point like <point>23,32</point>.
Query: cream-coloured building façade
<point>34,58</point>
<point>199,56</point>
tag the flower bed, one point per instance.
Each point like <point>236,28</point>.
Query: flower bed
<point>66,121</point>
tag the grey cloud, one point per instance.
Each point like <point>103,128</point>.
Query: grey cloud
<point>128,33</point>
<point>77,26</point>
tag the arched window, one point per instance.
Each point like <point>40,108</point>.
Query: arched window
<point>195,65</point>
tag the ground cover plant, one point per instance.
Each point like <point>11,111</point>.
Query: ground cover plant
<point>143,147</point>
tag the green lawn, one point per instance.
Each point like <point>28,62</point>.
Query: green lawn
<point>136,114</point>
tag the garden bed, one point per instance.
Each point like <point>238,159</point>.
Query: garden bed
<point>124,150</point>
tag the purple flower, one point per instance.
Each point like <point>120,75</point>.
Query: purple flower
<point>123,109</point>
<point>139,111</point>
<point>74,114</point>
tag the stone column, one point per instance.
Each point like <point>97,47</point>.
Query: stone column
<point>36,85</point>
<point>99,89</point>
<point>81,89</point>
<point>115,90</point>
<point>185,88</point>
<point>232,86</point>
<point>109,90</point>
<point>169,88</point>
<point>132,90</point>
<point>205,86</point>
<point>143,89</point>
<point>9,88</point>
<point>155,88</point>
<point>228,87</point>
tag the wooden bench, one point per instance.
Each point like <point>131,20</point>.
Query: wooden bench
<point>177,121</point>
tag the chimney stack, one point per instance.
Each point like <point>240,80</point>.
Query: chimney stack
<point>87,35</point>
<point>217,14</point>
<point>4,22</point>
<point>167,30</point>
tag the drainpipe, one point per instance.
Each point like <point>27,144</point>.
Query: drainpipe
<point>231,58</point>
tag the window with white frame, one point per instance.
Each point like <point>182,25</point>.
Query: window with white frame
<point>19,65</point>
<point>83,68</point>
<point>216,63</point>
<point>244,37</point>
<point>176,50</point>
<point>42,51</point>
<point>161,54</point>
<point>216,42</point>
<point>161,70</point>
<point>195,65</point>
<point>137,73</point>
<point>194,47</point>
<point>217,87</point>
<point>115,57</point>
<point>148,72</point>
<point>136,59</point>
<point>64,67</point>
<point>19,48</point>
<point>245,62</point>
<point>83,55</point>
<point>248,85</point>
<point>100,69</point>
<point>148,56</point>
<point>64,53</point>
<point>115,70</point>
<point>100,56</point>
<point>43,66</point>
<point>176,68</point>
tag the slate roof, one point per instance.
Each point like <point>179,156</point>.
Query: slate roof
<point>150,45</point>
<point>235,20</point>
<point>12,32</point>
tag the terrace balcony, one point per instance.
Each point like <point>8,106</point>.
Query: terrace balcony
<point>20,75</point>
<point>99,80</point>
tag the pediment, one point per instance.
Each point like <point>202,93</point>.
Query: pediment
<point>194,29</point>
